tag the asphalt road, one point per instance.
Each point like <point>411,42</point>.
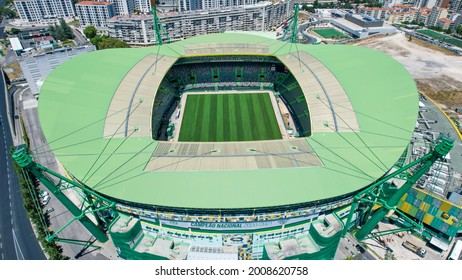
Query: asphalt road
<point>79,39</point>
<point>17,239</point>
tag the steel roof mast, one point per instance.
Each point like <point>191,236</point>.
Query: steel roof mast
<point>292,26</point>
<point>159,29</point>
<point>374,195</point>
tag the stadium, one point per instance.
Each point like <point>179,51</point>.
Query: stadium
<point>228,146</point>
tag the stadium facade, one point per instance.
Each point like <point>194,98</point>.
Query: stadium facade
<point>354,110</point>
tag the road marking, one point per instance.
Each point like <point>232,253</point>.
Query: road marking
<point>17,247</point>
<point>3,256</point>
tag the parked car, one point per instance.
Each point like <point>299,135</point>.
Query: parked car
<point>360,248</point>
<point>43,193</point>
<point>45,200</point>
<point>49,210</point>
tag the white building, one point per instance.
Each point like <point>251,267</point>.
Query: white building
<point>94,13</point>
<point>138,29</point>
<point>143,5</point>
<point>194,5</point>
<point>44,10</point>
<point>123,7</point>
<point>360,26</point>
<point>36,67</point>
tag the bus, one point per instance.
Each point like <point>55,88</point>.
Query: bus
<point>456,250</point>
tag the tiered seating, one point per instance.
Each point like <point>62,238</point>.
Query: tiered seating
<point>294,98</point>
<point>164,98</point>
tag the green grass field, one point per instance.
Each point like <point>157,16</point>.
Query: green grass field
<point>441,37</point>
<point>228,117</point>
<point>330,33</point>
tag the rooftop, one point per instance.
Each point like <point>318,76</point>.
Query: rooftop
<point>43,38</point>
<point>92,3</point>
<point>15,44</point>
<point>378,87</point>
<point>445,20</point>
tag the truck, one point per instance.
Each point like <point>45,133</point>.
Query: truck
<point>414,248</point>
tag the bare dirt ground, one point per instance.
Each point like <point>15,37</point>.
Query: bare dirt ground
<point>13,71</point>
<point>437,71</point>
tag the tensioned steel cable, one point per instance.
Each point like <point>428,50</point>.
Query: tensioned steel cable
<point>146,163</point>
<point>72,145</point>
<point>379,134</point>
<point>108,142</point>
<point>285,157</point>
<point>194,156</point>
<point>113,152</point>
<point>79,129</point>
<point>354,146</point>
<point>375,119</point>
<point>342,158</point>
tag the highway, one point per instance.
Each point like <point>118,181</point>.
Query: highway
<point>17,239</point>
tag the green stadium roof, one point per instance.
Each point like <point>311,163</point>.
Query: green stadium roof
<point>75,98</point>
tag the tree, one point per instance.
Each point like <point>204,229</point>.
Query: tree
<point>96,40</point>
<point>459,30</point>
<point>53,31</point>
<point>8,13</point>
<point>90,32</point>
<point>14,31</point>
<point>66,29</point>
<point>61,31</point>
<point>111,43</point>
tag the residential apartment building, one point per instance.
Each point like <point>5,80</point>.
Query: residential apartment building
<point>457,21</point>
<point>194,5</point>
<point>400,17</point>
<point>36,65</point>
<point>123,7</point>
<point>423,15</point>
<point>138,29</point>
<point>444,23</point>
<point>143,6</point>
<point>44,10</point>
<point>435,14</point>
<point>456,5</point>
<point>94,13</point>
<point>432,3</point>
<point>378,13</point>
<point>396,14</point>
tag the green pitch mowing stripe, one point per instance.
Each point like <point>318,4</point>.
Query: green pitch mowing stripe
<point>229,117</point>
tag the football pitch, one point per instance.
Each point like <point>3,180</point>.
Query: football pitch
<point>229,117</point>
<point>330,33</point>
<point>441,37</point>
